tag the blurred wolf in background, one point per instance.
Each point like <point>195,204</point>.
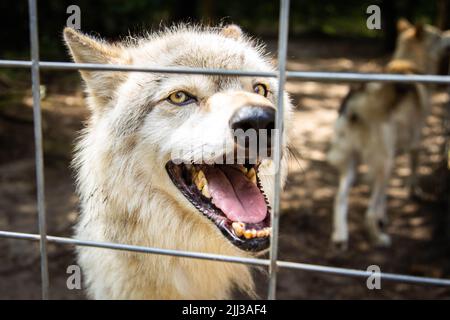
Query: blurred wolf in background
<point>131,189</point>
<point>377,120</point>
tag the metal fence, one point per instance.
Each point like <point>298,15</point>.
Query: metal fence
<point>281,74</point>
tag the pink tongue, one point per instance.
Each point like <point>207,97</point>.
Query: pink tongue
<point>234,194</point>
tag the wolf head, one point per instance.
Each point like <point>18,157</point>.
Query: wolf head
<point>421,44</point>
<point>154,136</point>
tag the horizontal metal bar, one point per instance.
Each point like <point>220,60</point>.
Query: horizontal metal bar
<point>363,77</point>
<point>126,247</point>
<point>124,68</point>
<point>223,258</point>
<point>15,64</point>
<point>364,274</point>
<point>299,75</point>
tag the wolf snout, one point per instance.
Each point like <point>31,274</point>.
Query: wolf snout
<point>253,120</point>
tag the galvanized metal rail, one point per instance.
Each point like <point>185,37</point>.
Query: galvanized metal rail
<point>228,259</point>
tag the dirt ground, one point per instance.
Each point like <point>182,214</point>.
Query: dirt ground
<point>419,228</point>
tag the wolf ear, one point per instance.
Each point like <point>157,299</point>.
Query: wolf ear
<point>232,31</point>
<point>403,24</point>
<point>101,85</point>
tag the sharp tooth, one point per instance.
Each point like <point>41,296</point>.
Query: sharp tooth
<point>260,234</point>
<point>205,191</point>
<point>201,175</point>
<point>199,185</point>
<point>200,180</point>
<point>238,228</point>
<point>252,175</point>
<point>268,230</point>
<point>243,169</point>
<point>254,233</point>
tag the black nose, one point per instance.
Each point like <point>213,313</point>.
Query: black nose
<point>253,117</point>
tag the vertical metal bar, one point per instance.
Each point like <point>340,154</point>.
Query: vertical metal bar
<point>35,80</point>
<point>282,53</point>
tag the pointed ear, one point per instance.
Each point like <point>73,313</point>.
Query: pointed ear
<point>232,31</point>
<point>101,85</point>
<point>403,24</point>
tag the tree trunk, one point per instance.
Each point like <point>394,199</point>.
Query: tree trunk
<point>443,13</point>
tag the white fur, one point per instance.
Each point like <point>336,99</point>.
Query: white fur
<point>126,194</point>
<point>384,122</point>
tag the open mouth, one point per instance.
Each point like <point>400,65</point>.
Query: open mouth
<point>231,196</point>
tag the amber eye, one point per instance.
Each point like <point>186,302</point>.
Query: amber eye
<point>180,98</point>
<point>260,89</point>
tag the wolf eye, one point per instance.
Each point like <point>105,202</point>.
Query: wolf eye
<point>260,89</point>
<point>180,98</point>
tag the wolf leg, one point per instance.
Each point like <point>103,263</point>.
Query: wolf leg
<point>340,228</point>
<point>376,212</point>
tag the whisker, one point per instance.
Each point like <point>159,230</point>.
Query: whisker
<point>294,153</point>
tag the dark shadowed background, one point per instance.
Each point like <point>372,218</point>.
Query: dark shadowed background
<point>116,18</point>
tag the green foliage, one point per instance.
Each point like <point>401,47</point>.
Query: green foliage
<point>113,18</point>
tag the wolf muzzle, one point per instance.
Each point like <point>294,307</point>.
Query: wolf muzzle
<point>254,118</point>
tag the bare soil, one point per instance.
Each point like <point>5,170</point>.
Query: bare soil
<point>419,228</point>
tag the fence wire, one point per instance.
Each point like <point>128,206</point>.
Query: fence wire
<point>281,74</point>
<point>300,75</point>
<point>230,259</point>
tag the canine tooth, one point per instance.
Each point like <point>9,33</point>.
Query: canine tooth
<point>201,175</point>
<point>205,191</point>
<point>252,175</point>
<point>238,228</point>
<point>200,180</point>
<point>199,184</point>
<point>243,169</point>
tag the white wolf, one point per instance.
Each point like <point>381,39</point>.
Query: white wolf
<point>376,120</point>
<point>131,190</point>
